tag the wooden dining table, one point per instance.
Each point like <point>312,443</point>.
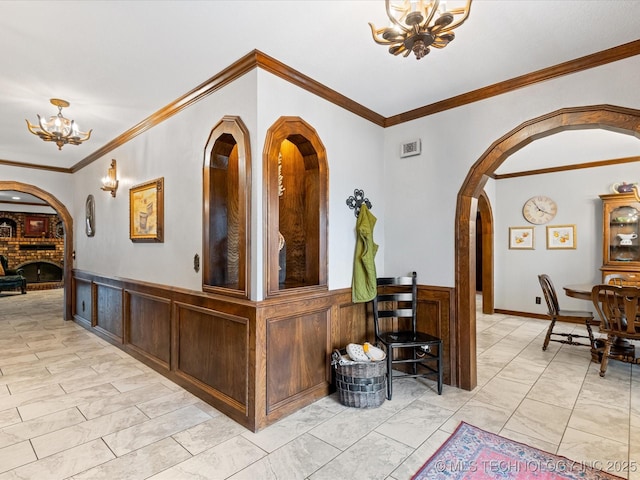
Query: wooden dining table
<point>620,347</point>
<point>579,290</point>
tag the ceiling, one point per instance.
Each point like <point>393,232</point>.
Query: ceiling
<point>19,198</point>
<point>117,62</point>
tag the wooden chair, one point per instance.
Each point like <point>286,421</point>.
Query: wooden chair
<point>555,313</point>
<point>619,310</point>
<point>394,315</point>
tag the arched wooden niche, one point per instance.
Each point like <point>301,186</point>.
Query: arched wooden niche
<point>227,203</point>
<point>296,174</point>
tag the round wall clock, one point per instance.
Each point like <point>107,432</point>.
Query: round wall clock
<point>539,210</point>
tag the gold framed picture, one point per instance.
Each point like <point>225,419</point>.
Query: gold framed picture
<point>521,238</point>
<point>561,237</point>
<point>146,212</point>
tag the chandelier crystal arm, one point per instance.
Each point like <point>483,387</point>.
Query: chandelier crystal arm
<point>429,14</point>
<point>397,23</point>
<point>442,42</point>
<point>32,127</point>
<point>464,11</point>
<point>377,35</point>
<point>80,137</point>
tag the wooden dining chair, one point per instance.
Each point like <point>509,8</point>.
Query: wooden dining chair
<point>395,325</point>
<point>555,313</point>
<point>619,310</point>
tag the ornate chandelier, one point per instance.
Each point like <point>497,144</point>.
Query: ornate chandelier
<point>59,129</point>
<point>417,25</point>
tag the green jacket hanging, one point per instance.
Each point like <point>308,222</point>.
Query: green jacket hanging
<point>363,286</point>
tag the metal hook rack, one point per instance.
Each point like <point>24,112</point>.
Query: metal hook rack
<point>355,201</point>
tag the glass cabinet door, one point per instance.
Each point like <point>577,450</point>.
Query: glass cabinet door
<point>623,234</point>
<point>621,229</point>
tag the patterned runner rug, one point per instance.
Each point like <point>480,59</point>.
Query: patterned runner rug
<point>474,454</point>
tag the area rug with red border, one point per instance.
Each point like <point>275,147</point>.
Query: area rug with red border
<point>471,453</point>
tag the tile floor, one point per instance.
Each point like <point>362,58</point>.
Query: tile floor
<point>73,406</point>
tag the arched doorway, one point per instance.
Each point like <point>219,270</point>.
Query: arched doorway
<point>484,248</point>
<point>608,117</point>
<point>67,221</point>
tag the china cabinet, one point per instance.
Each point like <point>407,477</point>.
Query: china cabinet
<point>620,227</point>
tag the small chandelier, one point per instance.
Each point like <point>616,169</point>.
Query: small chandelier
<point>59,129</point>
<point>418,25</point>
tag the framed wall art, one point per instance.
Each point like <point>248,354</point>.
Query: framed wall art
<point>35,226</point>
<point>146,212</point>
<point>561,237</point>
<point>521,238</point>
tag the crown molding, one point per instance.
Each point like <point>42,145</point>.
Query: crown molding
<point>11,163</point>
<point>257,59</point>
<point>572,66</point>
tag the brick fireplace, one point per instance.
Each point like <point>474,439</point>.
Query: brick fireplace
<point>40,255</point>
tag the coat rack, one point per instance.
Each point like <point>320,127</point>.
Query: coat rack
<point>355,201</point>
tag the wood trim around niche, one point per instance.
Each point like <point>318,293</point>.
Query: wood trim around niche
<point>314,156</point>
<point>234,127</point>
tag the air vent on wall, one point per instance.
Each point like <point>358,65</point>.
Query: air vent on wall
<point>410,149</point>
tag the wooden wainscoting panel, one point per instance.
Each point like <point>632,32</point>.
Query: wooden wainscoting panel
<point>148,326</point>
<point>213,348</point>
<point>256,362</point>
<point>352,324</point>
<point>82,301</point>
<point>435,316</point>
<point>297,359</point>
<point>108,308</point>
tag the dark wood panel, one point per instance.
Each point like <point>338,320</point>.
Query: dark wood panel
<point>82,304</point>
<point>297,357</point>
<point>213,347</point>
<point>292,223</point>
<point>354,324</point>
<point>109,318</point>
<point>254,361</point>
<point>227,209</point>
<point>148,326</point>
<point>435,315</point>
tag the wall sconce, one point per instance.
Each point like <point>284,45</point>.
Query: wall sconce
<point>110,182</point>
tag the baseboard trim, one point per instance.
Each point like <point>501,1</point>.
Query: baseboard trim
<point>542,316</point>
